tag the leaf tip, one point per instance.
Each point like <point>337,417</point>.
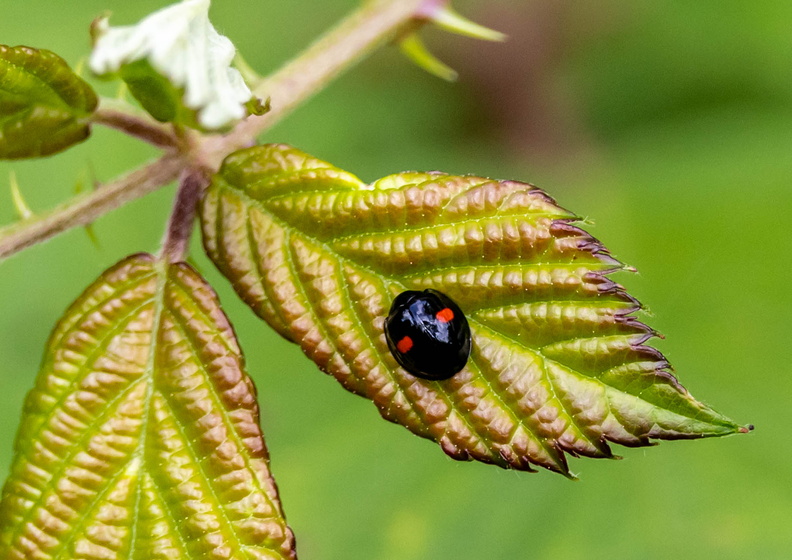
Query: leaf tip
<point>746,429</point>
<point>91,233</point>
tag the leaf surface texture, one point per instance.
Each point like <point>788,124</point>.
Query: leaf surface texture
<point>559,364</point>
<point>44,105</point>
<point>141,438</point>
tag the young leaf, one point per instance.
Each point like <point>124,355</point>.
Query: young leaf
<point>177,66</point>
<point>141,438</point>
<point>44,105</point>
<point>559,364</point>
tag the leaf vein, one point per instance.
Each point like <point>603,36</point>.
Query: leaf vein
<point>224,413</point>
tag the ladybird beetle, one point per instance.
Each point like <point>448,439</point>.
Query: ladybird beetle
<point>428,334</point>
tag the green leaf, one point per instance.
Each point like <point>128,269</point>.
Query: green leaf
<point>156,94</point>
<point>559,364</point>
<point>44,105</point>
<point>141,438</point>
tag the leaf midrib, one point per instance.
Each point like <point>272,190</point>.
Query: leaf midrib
<point>230,427</point>
<point>160,267</point>
<point>605,385</point>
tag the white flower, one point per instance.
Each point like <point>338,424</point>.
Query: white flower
<point>182,45</point>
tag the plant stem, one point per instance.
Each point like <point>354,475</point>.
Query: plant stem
<point>372,25</point>
<point>192,183</point>
<point>84,209</point>
<point>145,129</point>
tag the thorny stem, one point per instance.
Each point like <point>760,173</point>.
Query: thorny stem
<point>363,31</point>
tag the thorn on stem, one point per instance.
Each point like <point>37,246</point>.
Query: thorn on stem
<point>444,17</point>
<point>23,211</point>
<point>89,231</point>
<point>414,49</point>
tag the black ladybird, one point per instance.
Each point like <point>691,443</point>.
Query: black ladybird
<point>428,334</point>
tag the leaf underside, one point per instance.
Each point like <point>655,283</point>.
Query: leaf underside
<point>559,363</point>
<point>44,105</point>
<point>141,438</point>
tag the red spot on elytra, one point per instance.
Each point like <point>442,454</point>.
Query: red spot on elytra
<point>404,345</point>
<point>445,315</point>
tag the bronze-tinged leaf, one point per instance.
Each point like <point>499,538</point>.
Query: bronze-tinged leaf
<point>559,363</point>
<point>141,438</point>
<point>44,105</point>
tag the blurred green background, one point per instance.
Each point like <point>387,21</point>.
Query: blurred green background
<point>668,124</point>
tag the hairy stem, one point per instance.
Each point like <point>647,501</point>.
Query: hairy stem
<point>372,25</point>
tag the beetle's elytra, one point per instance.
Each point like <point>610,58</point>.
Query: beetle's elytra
<point>428,334</point>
